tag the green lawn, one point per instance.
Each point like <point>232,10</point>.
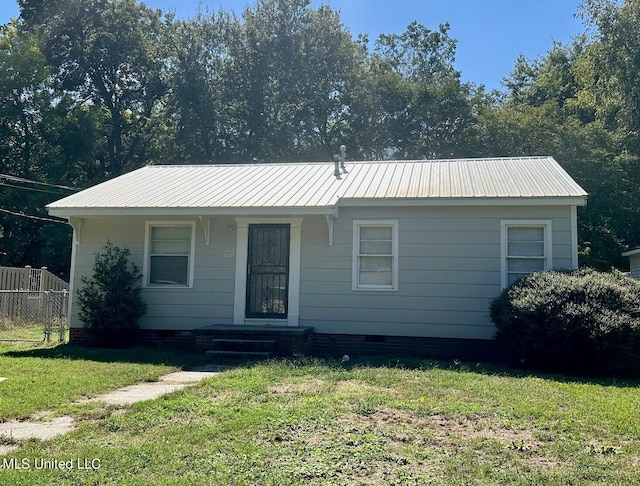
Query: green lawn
<point>40,377</point>
<point>319,422</point>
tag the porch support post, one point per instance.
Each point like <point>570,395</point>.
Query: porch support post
<point>240,294</point>
<point>293,316</point>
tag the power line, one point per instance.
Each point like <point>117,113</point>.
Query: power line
<point>30,181</point>
<point>39,218</point>
<point>31,189</point>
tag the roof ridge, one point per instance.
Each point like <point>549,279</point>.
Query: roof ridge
<point>328,163</point>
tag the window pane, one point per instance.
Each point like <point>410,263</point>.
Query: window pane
<point>170,240</point>
<point>525,233</point>
<point>375,233</point>
<point>512,277</point>
<point>376,264</point>
<point>169,270</point>
<point>376,270</point>
<point>375,247</point>
<point>376,278</point>
<point>525,248</point>
<point>526,265</point>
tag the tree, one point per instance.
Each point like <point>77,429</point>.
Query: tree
<point>410,101</point>
<point>27,236</point>
<point>203,105</point>
<point>108,53</point>
<point>294,66</point>
<point>614,57</point>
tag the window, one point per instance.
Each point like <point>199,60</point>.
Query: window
<point>169,250</point>
<point>526,248</point>
<point>375,255</point>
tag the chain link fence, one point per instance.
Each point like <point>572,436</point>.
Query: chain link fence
<point>33,316</point>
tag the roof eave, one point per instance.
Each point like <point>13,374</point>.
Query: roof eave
<point>67,212</point>
<point>633,251</point>
<point>577,200</point>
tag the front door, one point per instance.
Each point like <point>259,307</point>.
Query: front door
<point>268,271</point>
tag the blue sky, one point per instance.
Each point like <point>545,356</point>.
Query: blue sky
<point>490,33</point>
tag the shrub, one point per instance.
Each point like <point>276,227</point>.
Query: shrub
<point>111,303</point>
<point>581,321</point>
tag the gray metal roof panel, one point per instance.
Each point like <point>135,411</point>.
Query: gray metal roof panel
<point>307,185</point>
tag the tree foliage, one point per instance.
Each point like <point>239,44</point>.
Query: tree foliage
<point>108,53</point>
<point>90,89</point>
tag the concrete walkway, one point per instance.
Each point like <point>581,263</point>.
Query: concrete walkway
<point>123,397</point>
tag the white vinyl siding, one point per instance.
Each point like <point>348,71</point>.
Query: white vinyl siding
<point>449,269</point>
<point>526,248</point>
<point>169,254</point>
<point>635,266</point>
<point>375,255</point>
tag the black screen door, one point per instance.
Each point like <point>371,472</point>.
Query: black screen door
<point>268,271</point>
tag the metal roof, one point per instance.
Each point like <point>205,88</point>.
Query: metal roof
<point>313,188</point>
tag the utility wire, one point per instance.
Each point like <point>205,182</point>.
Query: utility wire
<point>29,181</point>
<point>22,215</point>
<point>31,189</point>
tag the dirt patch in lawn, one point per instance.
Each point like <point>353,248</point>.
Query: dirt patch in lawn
<point>307,386</point>
<point>402,427</point>
<point>362,388</point>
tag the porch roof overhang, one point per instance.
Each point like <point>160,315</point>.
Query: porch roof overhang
<point>98,212</point>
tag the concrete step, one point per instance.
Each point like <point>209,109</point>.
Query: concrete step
<point>243,345</point>
<point>239,354</point>
<point>241,348</point>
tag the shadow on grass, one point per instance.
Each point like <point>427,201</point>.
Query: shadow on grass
<point>187,359</point>
<point>139,354</point>
<point>481,368</point>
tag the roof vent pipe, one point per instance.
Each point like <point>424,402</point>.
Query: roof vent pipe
<point>343,157</point>
<point>336,170</point>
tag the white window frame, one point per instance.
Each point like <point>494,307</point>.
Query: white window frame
<point>545,224</point>
<point>146,267</point>
<point>360,223</point>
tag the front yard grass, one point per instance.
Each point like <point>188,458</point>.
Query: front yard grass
<point>41,377</point>
<point>312,421</point>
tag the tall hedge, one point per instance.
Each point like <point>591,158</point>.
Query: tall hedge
<point>580,322</point>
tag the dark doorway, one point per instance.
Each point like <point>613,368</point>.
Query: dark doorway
<point>268,271</point>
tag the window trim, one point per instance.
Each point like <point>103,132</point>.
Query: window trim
<point>146,266</point>
<point>545,224</point>
<point>355,278</point>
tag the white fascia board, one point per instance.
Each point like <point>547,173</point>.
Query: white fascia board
<point>635,251</point>
<point>248,211</point>
<point>468,201</point>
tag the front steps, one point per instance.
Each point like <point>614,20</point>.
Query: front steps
<point>253,342</point>
<point>242,348</point>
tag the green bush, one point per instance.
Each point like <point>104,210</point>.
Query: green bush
<point>581,321</point>
<point>110,303</point>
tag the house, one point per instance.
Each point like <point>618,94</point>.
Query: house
<point>634,261</point>
<point>381,256</point>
